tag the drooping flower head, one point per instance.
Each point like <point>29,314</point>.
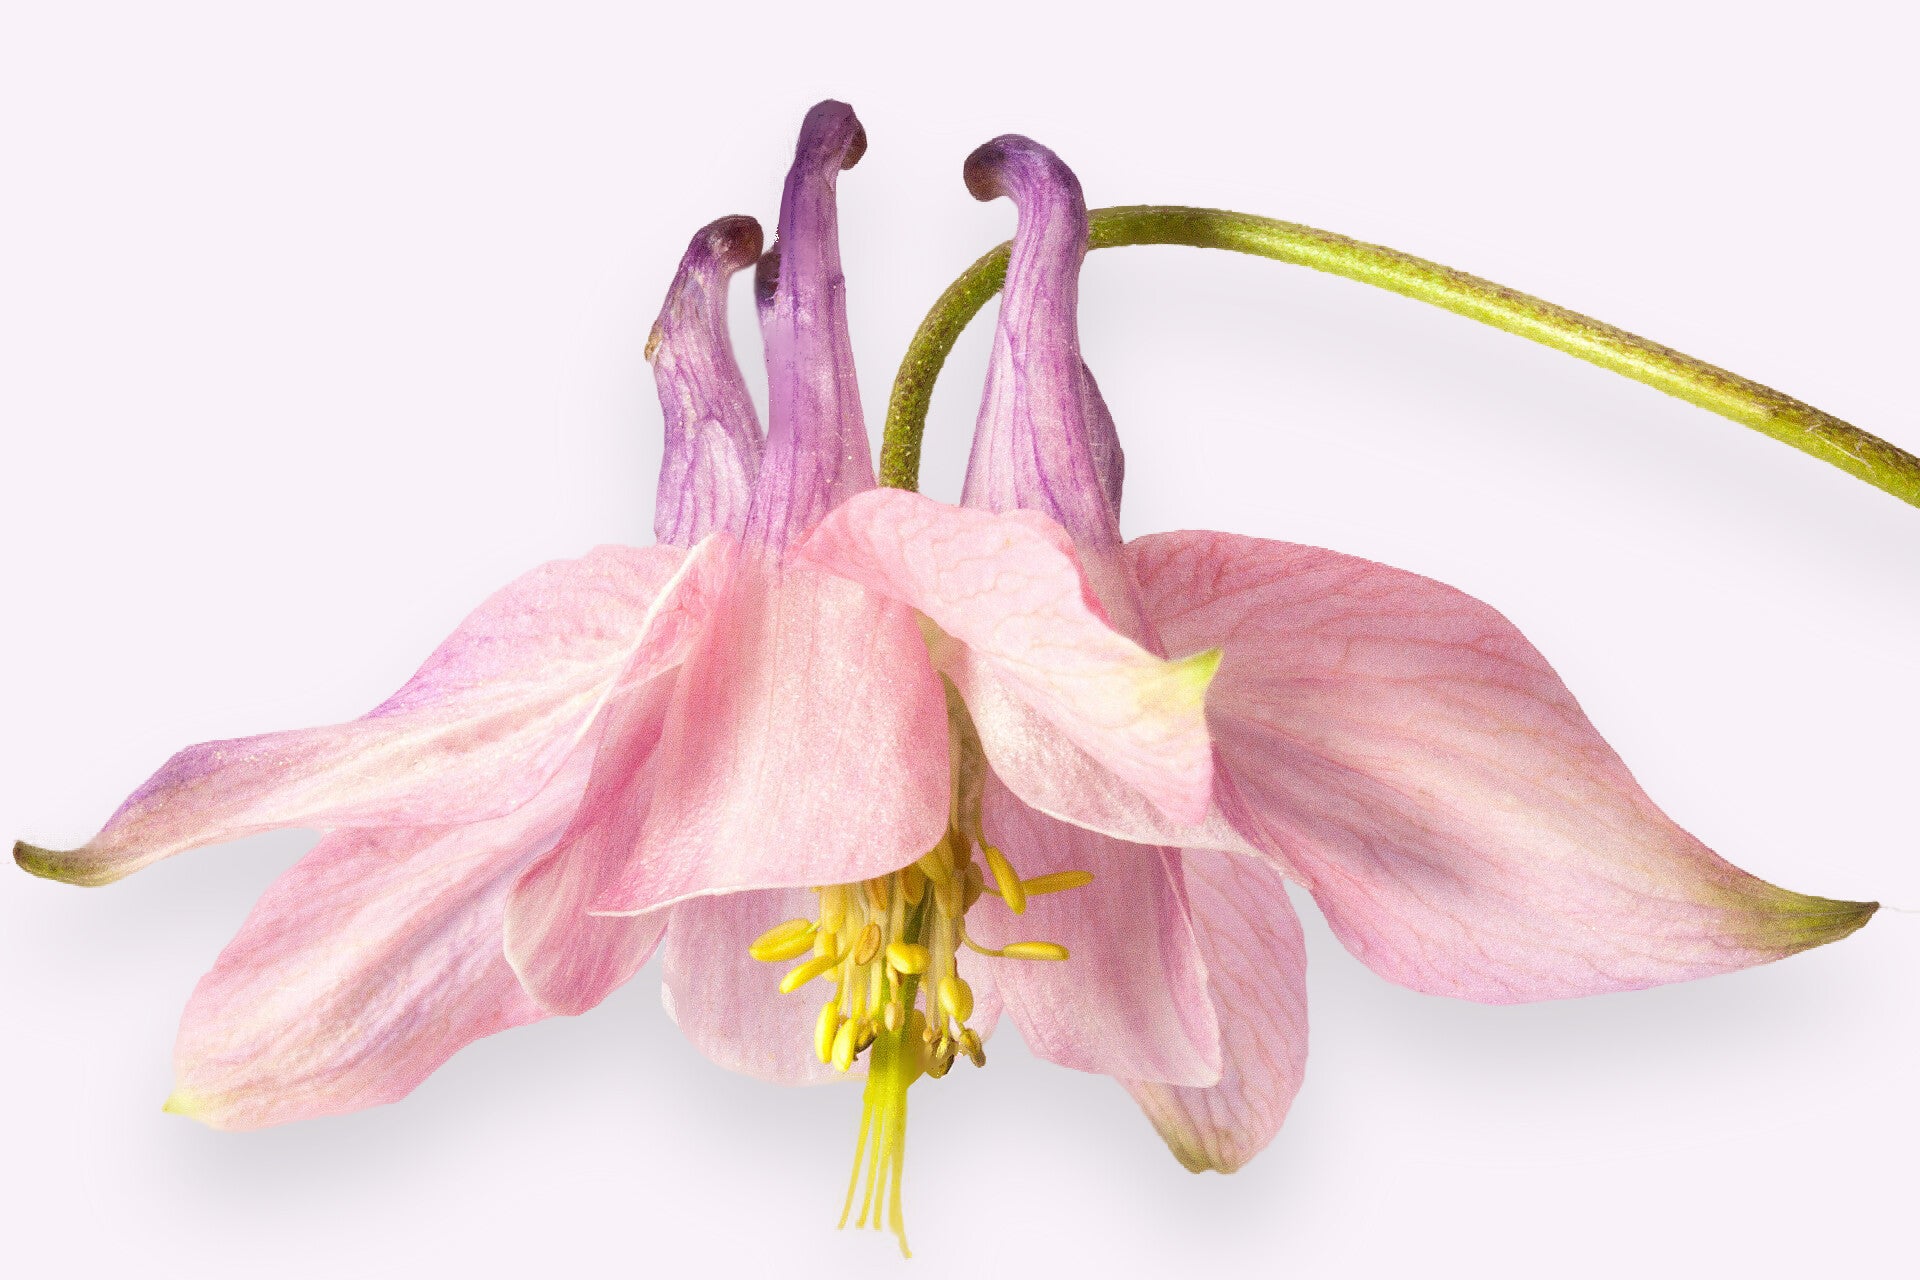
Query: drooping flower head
<point>868,769</point>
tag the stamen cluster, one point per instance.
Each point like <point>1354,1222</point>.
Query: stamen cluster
<point>888,941</point>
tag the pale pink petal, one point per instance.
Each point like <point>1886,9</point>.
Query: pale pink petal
<point>1464,827</point>
<point>1131,1000</point>
<point>568,959</point>
<point>1008,587</point>
<point>729,1004</point>
<point>806,744</point>
<point>1257,973</point>
<point>476,732</point>
<point>363,968</point>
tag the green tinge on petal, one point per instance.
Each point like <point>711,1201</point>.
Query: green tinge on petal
<point>68,866</point>
<point>1182,684</point>
<point>1780,921</point>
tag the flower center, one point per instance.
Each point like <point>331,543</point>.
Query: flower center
<point>889,947</point>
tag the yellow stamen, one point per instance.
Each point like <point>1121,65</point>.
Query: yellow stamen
<point>807,972</point>
<point>956,998</point>
<point>975,1051</point>
<point>869,945</point>
<point>877,893</point>
<point>824,1029</point>
<point>833,908</point>
<point>1034,951</point>
<point>908,957</point>
<point>1056,882</point>
<point>976,885</point>
<point>786,941</point>
<point>913,881</point>
<point>843,1041</point>
<point>1009,883</point>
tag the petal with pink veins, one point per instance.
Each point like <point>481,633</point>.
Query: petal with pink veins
<point>806,744</point>
<point>1257,974</point>
<point>473,735</point>
<point>567,959</point>
<point>363,968</point>
<point>729,1004</point>
<point>1131,999</point>
<point>1417,762</point>
<point>1008,588</point>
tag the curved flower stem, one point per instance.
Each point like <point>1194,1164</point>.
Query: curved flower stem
<point>1883,465</point>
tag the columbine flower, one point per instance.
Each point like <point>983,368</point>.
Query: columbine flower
<point>1393,746</point>
<point>715,741</point>
<point>933,756</point>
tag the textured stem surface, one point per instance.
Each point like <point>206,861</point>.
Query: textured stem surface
<point>1881,464</point>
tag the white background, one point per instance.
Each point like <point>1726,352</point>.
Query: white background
<point>319,322</point>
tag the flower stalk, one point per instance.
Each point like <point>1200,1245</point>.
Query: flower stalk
<point>1867,457</point>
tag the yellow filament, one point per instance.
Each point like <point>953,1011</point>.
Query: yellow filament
<point>785,941</point>
<point>1034,951</point>
<point>1011,887</point>
<point>807,972</point>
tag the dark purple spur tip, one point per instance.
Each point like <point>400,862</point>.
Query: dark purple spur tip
<point>733,241</point>
<point>1019,168</point>
<point>766,278</point>
<point>832,134</point>
<point>717,250</point>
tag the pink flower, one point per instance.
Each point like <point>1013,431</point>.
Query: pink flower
<point>935,755</point>
<point>1393,746</point>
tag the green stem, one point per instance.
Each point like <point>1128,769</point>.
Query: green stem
<point>1883,465</point>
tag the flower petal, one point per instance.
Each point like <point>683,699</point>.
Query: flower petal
<point>1034,443</point>
<point>729,1004</point>
<point>1465,828</point>
<point>1256,971</point>
<point>566,958</point>
<point>1009,589</point>
<point>1131,1000</point>
<point>363,968</point>
<point>712,450</point>
<point>817,453</point>
<point>476,732</point>
<point>806,744</point>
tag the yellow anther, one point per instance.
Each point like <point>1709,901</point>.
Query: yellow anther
<point>971,1046</point>
<point>786,941</point>
<point>949,898</point>
<point>1056,882</point>
<point>893,1017</point>
<point>976,885</point>
<point>823,1030</point>
<point>877,894</point>
<point>843,1046</point>
<point>908,957</point>
<point>913,882</point>
<point>833,908</point>
<point>868,1034</point>
<point>1010,885</point>
<point>1034,951</point>
<point>869,945</point>
<point>825,942</point>
<point>801,976</point>
<point>956,998</point>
